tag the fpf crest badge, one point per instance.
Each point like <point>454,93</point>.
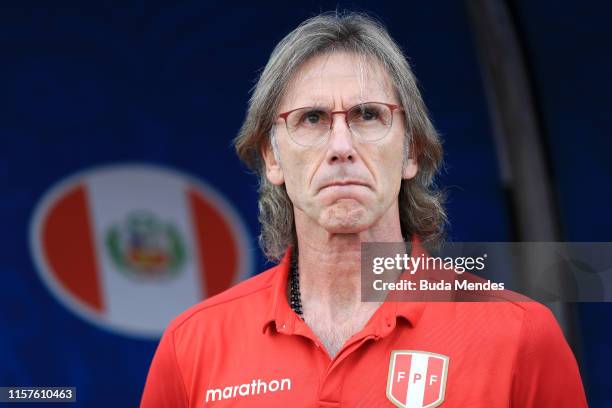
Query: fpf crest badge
<point>417,379</point>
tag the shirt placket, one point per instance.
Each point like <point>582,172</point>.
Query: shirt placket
<point>332,379</point>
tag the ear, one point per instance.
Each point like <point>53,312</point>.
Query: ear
<point>410,169</point>
<point>274,172</point>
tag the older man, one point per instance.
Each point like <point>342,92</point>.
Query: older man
<point>346,154</point>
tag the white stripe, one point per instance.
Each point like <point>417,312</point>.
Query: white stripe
<point>416,389</point>
<point>142,306</point>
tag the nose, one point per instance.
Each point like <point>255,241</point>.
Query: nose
<point>340,144</point>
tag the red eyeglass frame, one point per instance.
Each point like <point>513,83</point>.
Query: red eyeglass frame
<point>391,106</point>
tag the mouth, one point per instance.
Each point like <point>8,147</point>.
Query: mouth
<point>344,183</point>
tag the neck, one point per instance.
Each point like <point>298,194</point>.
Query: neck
<point>330,263</point>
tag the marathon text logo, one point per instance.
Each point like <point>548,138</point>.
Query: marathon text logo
<point>256,387</point>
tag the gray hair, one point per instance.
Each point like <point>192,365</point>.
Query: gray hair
<point>420,202</point>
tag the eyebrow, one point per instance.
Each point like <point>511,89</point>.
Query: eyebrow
<point>317,103</point>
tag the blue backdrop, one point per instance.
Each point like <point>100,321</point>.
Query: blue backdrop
<point>165,83</point>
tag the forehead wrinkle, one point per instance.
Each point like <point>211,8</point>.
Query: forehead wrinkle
<point>307,72</point>
<point>372,71</point>
<point>373,83</point>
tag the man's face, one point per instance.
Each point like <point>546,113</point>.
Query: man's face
<point>343,185</point>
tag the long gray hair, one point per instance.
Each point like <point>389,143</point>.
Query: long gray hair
<point>420,202</point>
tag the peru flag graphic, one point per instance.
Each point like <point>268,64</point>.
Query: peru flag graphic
<point>129,247</point>
<point>417,379</point>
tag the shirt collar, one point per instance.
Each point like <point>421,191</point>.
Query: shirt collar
<point>280,313</point>
<point>283,317</point>
<point>411,311</point>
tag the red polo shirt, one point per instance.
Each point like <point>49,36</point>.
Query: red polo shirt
<point>247,348</point>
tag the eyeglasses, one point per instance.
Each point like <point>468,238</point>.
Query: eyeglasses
<point>369,122</point>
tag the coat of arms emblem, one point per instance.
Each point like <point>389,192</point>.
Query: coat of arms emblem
<point>417,379</point>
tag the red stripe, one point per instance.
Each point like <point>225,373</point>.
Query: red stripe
<point>400,383</point>
<point>215,244</point>
<point>69,248</point>
<point>433,380</point>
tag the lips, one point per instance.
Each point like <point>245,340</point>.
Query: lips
<point>341,183</point>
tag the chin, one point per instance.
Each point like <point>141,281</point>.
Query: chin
<point>345,217</point>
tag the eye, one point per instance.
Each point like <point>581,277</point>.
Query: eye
<point>312,117</point>
<point>369,113</point>
<point>366,113</point>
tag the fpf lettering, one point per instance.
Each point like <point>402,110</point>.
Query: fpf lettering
<point>416,377</point>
